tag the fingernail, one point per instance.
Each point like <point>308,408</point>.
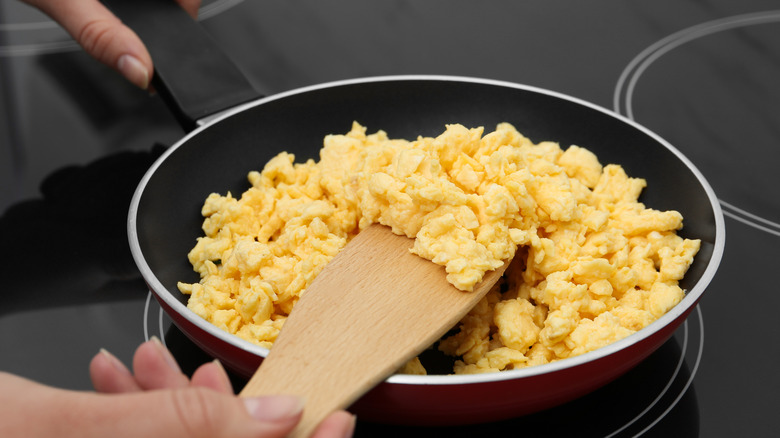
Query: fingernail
<point>131,68</point>
<point>274,408</point>
<point>114,361</point>
<point>349,431</point>
<point>169,359</point>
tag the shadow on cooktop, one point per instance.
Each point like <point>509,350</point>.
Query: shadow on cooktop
<point>70,246</point>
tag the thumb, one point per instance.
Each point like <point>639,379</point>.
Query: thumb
<point>103,36</point>
<point>193,412</point>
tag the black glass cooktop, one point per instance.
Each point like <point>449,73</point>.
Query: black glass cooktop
<point>75,140</point>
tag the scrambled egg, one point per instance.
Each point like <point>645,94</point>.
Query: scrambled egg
<point>593,264</point>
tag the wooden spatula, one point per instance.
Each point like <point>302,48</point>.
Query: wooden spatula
<point>374,307</point>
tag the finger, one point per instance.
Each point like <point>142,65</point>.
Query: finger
<point>340,424</point>
<point>103,36</point>
<point>155,367</point>
<point>189,412</point>
<point>109,375</point>
<point>212,375</point>
<point>191,6</point>
<point>279,414</point>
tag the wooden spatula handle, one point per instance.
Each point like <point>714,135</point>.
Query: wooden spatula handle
<point>374,307</point>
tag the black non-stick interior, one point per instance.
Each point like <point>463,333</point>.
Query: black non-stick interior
<point>218,159</point>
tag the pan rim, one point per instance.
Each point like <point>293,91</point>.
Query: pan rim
<point>688,303</point>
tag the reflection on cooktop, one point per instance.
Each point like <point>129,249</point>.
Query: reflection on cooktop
<point>75,231</point>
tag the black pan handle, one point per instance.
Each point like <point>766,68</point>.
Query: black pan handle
<point>192,74</point>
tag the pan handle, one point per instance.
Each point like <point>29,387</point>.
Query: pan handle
<point>194,77</point>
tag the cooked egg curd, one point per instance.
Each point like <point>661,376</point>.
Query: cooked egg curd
<point>593,264</point>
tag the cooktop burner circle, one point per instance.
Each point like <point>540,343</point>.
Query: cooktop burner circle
<point>729,65</point>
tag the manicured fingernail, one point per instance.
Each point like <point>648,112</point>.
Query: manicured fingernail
<point>274,408</point>
<point>169,359</point>
<point>132,69</point>
<point>114,361</point>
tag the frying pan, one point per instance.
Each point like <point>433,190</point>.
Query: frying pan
<point>233,130</point>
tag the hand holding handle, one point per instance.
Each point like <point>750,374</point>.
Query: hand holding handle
<point>192,74</point>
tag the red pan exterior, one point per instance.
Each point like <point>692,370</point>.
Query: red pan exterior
<point>461,403</point>
<point>493,401</point>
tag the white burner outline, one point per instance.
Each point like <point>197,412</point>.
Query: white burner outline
<point>663,392</point>
<point>626,85</point>
<point>160,325</point>
<point>146,316</point>
<point>690,378</point>
<point>747,218</point>
<point>624,90</point>
<point>160,314</point>
<point>204,13</point>
<point>672,379</point>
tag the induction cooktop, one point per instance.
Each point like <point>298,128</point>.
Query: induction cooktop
<point>75,140</point>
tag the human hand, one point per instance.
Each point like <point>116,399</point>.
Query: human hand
<point>156,399</point>
<point>103,35</point>
<point>156,369</point>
